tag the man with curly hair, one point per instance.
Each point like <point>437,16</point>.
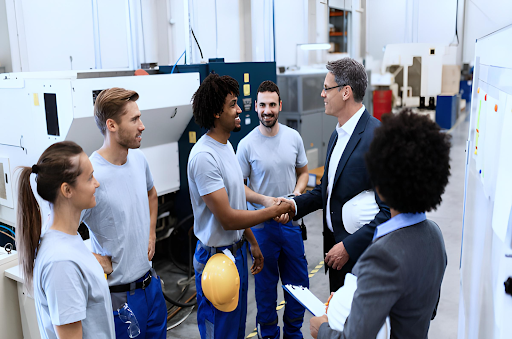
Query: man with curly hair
<point>345,174</point>
<point>400,273</point>
<point>218,196</point>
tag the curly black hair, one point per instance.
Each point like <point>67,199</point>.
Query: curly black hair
<point>210,97</point>
<point>409,162</point>
<point>269,86</point>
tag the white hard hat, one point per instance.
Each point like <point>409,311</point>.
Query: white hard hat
<point>359,211</point>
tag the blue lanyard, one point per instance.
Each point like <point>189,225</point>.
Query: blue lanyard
<point>400,221</point>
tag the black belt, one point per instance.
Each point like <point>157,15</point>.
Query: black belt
<point>132,286</point>
<point>233,248</point>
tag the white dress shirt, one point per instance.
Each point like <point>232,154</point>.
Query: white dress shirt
<point>344,134</point>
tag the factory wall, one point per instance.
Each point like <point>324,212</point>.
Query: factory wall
<point>216,26</point>
<point>5,48</point>
<point>237,30</point>
<point>409,21</point>
<point>481,18</point>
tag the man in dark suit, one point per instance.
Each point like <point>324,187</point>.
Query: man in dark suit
<point>345,174</point>
<point>401,272</point>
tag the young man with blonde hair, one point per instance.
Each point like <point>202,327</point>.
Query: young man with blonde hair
<point>123,223</point>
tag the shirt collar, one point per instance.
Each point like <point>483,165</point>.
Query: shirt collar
<point>397,222</point>
<point>350,125</point>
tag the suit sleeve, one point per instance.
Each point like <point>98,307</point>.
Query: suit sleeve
<point>379,286</point>
<point>309,201</point>
<point>326,332</point>
<point>313,200</point>
<point>358,242</point>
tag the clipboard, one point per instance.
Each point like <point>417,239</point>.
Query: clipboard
<point>307,299</point>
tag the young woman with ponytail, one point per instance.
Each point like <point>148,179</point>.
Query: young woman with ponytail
<point>70,290</point>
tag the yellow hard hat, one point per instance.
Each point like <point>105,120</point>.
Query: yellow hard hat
<point>221,283</point>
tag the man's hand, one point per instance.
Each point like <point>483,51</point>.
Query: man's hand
<point>285,206</point>
<point>297,193</point>
<point>270,201</point>
<point>105,262</point>
<point>151,247</point>
<point>287,216</point>
<point>257,257</point>
<point>314,324</point>
<point>282,219</point>
<point>337,256</point>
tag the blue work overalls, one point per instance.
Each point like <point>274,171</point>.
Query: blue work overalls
<point>213,323</point>
<point>283,251</point>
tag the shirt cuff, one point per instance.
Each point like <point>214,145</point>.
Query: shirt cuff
<point>294,203</point>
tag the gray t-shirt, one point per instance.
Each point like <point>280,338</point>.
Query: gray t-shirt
<point>212,166</point>
<point>69,286</point>
<point>269,163</point>
<point>119,223</point>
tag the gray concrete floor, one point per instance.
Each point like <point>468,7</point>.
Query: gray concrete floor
<point>448,216</point>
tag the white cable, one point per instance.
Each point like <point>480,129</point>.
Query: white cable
<point>182,320</point>
<point>186,281</point>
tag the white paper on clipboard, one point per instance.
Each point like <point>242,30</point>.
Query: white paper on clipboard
<point>307,299</point>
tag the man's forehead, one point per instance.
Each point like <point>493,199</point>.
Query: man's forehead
<point>268,96</point>
<point>329,78</point>
<point>230,97</point>
<point>132,108</point>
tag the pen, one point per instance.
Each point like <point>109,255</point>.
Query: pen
<point>328,300</point>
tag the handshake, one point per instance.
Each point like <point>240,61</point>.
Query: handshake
<point>285,210</point>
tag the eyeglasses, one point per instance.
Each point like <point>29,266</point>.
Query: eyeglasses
<point>328,88</point>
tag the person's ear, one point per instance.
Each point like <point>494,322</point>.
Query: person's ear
<point>65,190</point>
<point>111,125</point>
<point>347,93</point>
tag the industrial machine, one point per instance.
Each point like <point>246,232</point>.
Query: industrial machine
<point>39,109</point>
<point>304,111</point>
<point>10,321</point>
<point>416,71</point>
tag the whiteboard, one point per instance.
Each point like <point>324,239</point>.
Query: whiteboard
<point>486,254</point>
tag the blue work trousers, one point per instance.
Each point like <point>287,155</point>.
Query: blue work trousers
<point>149,308</point>
<point>213,323</point>
<point>283,249</point>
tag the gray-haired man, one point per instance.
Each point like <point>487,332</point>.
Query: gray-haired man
<point>345,169</point>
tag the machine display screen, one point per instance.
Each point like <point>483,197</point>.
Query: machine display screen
<point>52,120</point>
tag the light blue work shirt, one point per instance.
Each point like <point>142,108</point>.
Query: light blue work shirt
<point>213,166</point>
<point>400,221</point>
<point>120,221</point>
<point>270,163</point>
<point>69,286</point>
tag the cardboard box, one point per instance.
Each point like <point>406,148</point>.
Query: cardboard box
<point>450,82</point>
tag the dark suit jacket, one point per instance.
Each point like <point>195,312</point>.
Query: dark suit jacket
<point>399,275</point>
<point>351,179</point>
